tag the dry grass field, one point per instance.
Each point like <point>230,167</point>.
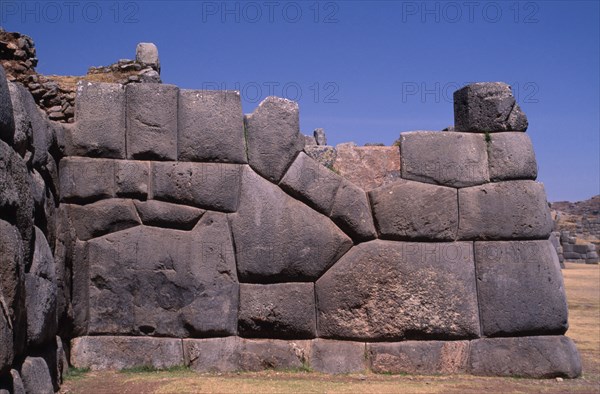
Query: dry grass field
<point>583,291</point>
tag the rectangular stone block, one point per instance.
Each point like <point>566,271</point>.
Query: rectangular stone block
<point>152,121</point>
<point>261,354</point>
<point>511,156</point>
<point>132,178</point>
<point>212,354</point>
<point>84,180</point>
<point>337,357</point>
<point>211,126</point>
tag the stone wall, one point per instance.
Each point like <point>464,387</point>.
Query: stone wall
<point>187,233</point>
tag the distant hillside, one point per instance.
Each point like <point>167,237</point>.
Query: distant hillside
<point>586,207</point>
<point>581,218</point>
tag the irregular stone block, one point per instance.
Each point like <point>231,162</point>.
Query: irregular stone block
<point>132,178</point>
<point>214,186</point>
<point>351,211</point>
<point>312,183</point>
<point>147,53</point>
<point>212,354</point>
<point>511,156</point>
<point>162,282</point>
<point>152,121</point>
<point>487,106</point>
<point>12,270</point>
<point>285,310</point>
<point>113,352</point>
<point>408,210</point>
<point>84,180</point>
<point>7,122</point>
<point>320,137</point>
<point>261,354</point>
<point>450,159</point>
<point>99,120</point>
<point>17,382</point>
<point>337,357</point>
<point>211,126</point>
<point>273,137</point>
<point>325,155</point>
<point>529,357</point>
<point>520,287</point>
<point>23,135</point>
<point>505,210</point>
<point>164,214</point>
<point>6,338</point>
<point>432,284</point>
<point>36,376</point>
<point>419,357</point>
<point>309,140</point>
<point>102,217</point>
<point>368,167</point>
<point>278,238</point>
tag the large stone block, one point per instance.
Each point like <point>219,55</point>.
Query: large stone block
<point>6,338</point>
<point>261,354</point>
<point>23,136</point>
<point>113,352</point>
<point>408,210</point>
<point>385,290</point>
<point>132,178</point>
<point>84,180</point>
<point>505,210</point>
<point>511,156</point>
<point>152,121</point>
<point>7,122</point>
<point>12,272</point>
<point>167,215</point>
<point>309,181</point>
<point>450,159</point>
<point>162,282</point>
<point>36,376</point>
<point>102,217</point>
<point>278,238</point>
<point>487,107</point>
<point>273,137</point>
<point>368,167</point>
<point>99,121</point>
<point>337,357</point>
<point>284,310</point>
<point>351,211</point>
<point>529,357</point>
<point>212,354</point>
<point>520,287</point>
<point>211,126</point>
<point>214,186</point>
<point>419,357</point>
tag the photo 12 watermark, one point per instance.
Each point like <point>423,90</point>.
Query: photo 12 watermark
<point>26,12</point>
<point>318,92</point>
<point>270,11</point>
<point>526,92</point>
<point>525,12</point>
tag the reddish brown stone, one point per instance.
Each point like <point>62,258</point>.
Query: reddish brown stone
<point>368,166</point>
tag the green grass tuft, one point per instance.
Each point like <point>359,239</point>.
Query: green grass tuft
<point>75,373</point>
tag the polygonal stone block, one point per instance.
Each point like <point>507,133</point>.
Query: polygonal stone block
<point>511,156</point>
<point>337,357</point>
<point>167,215</point>
<point>84,180</point>
<point>351,211</point>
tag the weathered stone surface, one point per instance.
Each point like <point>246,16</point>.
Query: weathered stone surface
<point>368,166</point>
<point>102,217</point>
<point>309,140</point>
<point>211,126</point>
<point>408,210</point>
<point>320,137</point>
<point>309,181</point>
<point>6,337</point>
<point>433,285</point>
<point>419,357</point>
<point>273,137</point>
<point>520,287</point>
<point>99,121</point>
<point>505,210</point>
<point>531,357</point>
<point>132,178</point>
<point>450,159</point>
<point>351,211</point>
<point>167,215</point>
<point>487,106</point>
<point>84,180</point>
<point>260,354</point>
<point>17,382</point>
<point>163,282</point>
<point>147,53</point>
<point>337,357</point>
<point>511,156</point>
<point>323,154</point>
<point>11,280</point>
<point>152,121</point>
<point>278,238</point>
<point>7,122</point>
<point>284,310</point>
<point>36,376</point>
<point>113,352</point>
<point>214,186</point>
<point>212,354</point>
<point>23,136</point>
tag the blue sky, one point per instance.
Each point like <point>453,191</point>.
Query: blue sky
<point>363,71</point>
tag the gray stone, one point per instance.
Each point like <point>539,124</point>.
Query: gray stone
<point>36,376</point>
<point>17,382</point>
<point>38,191</point>
<point>62,363</point>
<point>285,310</point>
<point>84,180</point>
<point>487,107</point>
<point>7,122</point>
<point>102,217</point>
<point>520,288</point>
<point>273,137</point>
<point>211,126</point>
<point>278,238</point>
<point>212,354</point>
<point>6,337</point>
<point>152,121</point>
<point>337,357</point>
<point>419,357</point>
<point>309,181</point>
<point>320,137</point>
<point>164,214</point>
<point>99,120</point>
<point>114,352</point>
<point>161,282</point>
<point>309,140</point>
<point>323,154</point>
<point>132,178</point>
<point>451,159</point>
<point>505,210</point>
<point>11,276</point>
<point>511,156</point>
<point>352,213</point>
<point>41,309</point>
<point>213,186</point>
<point>23,136</point>
<point>258,355</point>
<point>408,210</point>
<point>147,53</point>
<point>433,285</point>
<point>529,357</point>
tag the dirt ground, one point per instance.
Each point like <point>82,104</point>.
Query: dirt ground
<point>582,283</point>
